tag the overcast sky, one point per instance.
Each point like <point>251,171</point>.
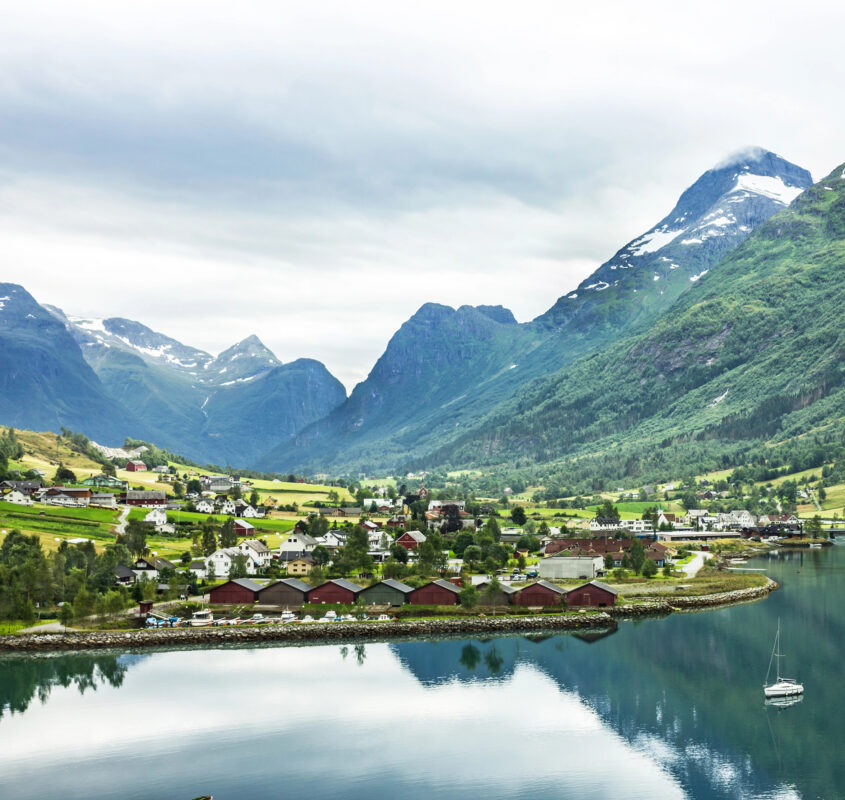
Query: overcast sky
<point>312,173</point>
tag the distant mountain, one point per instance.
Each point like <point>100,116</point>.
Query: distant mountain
<point>709,220</point>
<point>112,378</point>
<point>445,370</point>
<point>751,357</point>
<point>44,380</point>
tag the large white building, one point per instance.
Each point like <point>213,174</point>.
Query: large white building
<point>574,567</point>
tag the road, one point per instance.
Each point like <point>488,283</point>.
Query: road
<point>691,568</point>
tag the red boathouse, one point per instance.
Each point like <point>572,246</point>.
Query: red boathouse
<point>541,593</point>
<point>336,591</point>
<point>236,591</point>
<point>436,593</point>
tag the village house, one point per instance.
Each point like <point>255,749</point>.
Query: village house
<point>17,497</point>
<point>297,543</point>
<point>25,487</point>
<point>604,524</point>
<point>332,539</point>
<point>220,562</point>
<point>411,540</point>
<point>105,482</point>
<point>204,506</point>
<point>301,565</point>
<point>136,466</point>
<point>259,551</point>
<point>150,567</point>
<point>156,517</point>
<point>226,507</point>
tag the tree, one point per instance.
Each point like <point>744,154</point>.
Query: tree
<point>608,561</point>
<point>178,489</point>
<point>399,553</point>
<point>392,569</point>
<point>64,475</point>
<point>83,604</point>
<point>136,537</point>
<point>228,536</point>
<point>321,555</point>
<point>491,592</point>
<point>66,614</point>
<point>185,558</point>
<point>194,486</point>
<point>238,568</point>
<point>518,515</point>
<point>113,603</point>
<point>209,540</point>
<point>649,568</point>
<point>254,498</point>
<point>608,510</point>
<point>469,596</point>
<point>636,555</point>
<point>463,540</point>
<point>813,528</point>
<point>472,555</point>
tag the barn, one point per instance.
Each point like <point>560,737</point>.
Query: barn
<point>593,593</point>
<point>386,593</point>
<point>286,592</point>
<point>541,593</point>
<point>136,466</point>
<point>337,591</point>
<point>411,540</point>
<point>500,596</point>
<point>144,498</point>
<point>236,591</point>
<point>436,593</point>
<point>244,528</point>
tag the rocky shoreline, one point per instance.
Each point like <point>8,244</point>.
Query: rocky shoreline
<point>373,631</point>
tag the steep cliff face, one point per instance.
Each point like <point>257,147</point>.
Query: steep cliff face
<point>45,382</point>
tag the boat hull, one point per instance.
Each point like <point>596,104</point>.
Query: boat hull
<point>783,690</point>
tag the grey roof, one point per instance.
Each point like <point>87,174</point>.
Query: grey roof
<point>600,585</point>
<point>293,583</point>
<point>554,587</point>
<point>345,584</point>
<point>444,585</point>
<point>393,584</point>
<point>151,494</point>
<point>256,545</point>
<point>122,571</point>
<point>246,583</point>
<point>503,586</point>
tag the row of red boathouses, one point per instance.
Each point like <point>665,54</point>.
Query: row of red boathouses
<point>293,592</point>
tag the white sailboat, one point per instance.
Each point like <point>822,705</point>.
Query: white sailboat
<point>782,687</point>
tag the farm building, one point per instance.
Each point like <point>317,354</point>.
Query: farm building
<point>436,593</point>
<point>136,466</point>
<point>541,593</point>
<point>593,593</point>
<point>145,498</point>
<point>238,590</point>
<point>501,596</point>
<point>336,591</point>
<point>244,528</point>
<point>386,593</point>
<point>286,592</point>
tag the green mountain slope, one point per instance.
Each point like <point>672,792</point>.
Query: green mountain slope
<point>752,354</point>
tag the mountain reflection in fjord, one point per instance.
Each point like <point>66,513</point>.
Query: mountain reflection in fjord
<point>665,708</point>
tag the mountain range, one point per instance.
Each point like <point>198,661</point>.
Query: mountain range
<point>625,354</point>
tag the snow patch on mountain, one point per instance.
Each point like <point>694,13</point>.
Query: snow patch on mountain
<point>654,241</point>
<point>700,275</point>
<point>768,186</point>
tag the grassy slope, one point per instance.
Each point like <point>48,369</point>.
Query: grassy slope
<point>764,328</point>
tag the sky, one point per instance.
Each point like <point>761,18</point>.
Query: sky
<point>312,173</point>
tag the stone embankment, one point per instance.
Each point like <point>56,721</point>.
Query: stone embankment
<point>363,630</point>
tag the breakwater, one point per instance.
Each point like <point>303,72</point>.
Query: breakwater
<point>367,630</point>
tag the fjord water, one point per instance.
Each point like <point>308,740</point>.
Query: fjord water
<point>663,708</point>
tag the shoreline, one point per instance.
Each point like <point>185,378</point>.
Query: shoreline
<point>370,630</point>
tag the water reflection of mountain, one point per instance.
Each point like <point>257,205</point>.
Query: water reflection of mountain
<point>21,680</point>
<point>689,687</point>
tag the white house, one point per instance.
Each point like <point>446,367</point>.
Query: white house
<point>158,516</point>
<point>204,506</point>
<point>220,562</point>
<point>694,517</point>
<point>297,543</point>
<point>600,524</point>
<point>258,551</point>
<point>18,498</point>
<point>332,539</point>
<point>636,525</point>
<point>250,513</point>
<point>743,519</point>
<point>227,507</point>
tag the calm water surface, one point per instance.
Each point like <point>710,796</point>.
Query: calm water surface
<point>667,708</point>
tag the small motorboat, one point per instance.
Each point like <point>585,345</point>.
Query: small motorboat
<point>202,618</point>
